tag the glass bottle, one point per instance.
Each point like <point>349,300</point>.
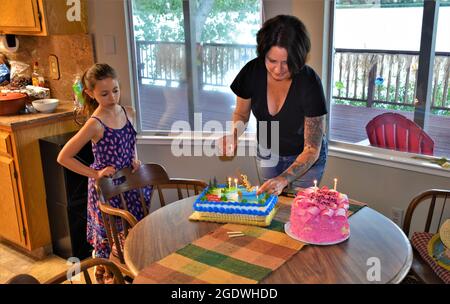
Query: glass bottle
<point>37,78</point>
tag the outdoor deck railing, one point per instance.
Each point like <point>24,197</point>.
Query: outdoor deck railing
<point>219,63</point>
<point>387,77</point>
<point>368,76</point>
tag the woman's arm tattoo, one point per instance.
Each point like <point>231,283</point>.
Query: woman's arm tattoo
<point>314,130</point>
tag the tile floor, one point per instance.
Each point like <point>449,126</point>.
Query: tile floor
<point>13,262</point>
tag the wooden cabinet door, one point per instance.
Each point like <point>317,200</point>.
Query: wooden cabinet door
<point>10,214</point>
<point>19,16</point>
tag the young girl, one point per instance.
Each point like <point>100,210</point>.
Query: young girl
<point>113,140</point>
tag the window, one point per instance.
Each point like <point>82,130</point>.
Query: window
<point>186,55</point>
<point>377,69</point>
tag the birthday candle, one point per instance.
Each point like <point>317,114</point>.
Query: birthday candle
<point>235,182</point>
<point>229,182</point>
<point>315,185</point>
<point>335,184</point>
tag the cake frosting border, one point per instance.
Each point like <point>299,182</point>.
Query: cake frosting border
<point>223,206</point>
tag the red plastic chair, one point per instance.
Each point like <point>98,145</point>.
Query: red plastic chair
<point>396,132</point>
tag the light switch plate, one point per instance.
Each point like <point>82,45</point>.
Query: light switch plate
<point>53,66</point>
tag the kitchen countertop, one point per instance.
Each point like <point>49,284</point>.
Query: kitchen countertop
<point>64,109</point>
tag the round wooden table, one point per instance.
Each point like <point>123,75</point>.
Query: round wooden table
<point>374,240</point>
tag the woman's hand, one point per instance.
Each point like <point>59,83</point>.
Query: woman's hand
<point>107,171</point>
<point>227,145</point>
<point>136,164</point>
<point>274,185</point>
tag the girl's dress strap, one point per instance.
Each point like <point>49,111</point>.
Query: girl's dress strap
<point>126,115</point>
<point>99,120</point>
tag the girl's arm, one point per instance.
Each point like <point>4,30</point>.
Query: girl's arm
<point>91,130</point>
<point>314,130</point>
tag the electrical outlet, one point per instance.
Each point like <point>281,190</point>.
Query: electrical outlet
<point>397,216</point>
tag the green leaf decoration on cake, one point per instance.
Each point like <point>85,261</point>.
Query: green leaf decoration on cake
<point>203,199</point>
<point>244,200</point>
<point>223,198</point>
<point>227,190</point>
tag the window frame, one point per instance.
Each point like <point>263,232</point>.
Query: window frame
<point>369,154</point>
<point>192,88</point>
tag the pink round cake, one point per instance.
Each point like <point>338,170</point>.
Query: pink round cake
<point>320,216</point>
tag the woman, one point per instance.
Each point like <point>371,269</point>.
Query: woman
<point>278,86</point>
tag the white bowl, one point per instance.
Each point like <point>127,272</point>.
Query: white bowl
<point>45,105</point>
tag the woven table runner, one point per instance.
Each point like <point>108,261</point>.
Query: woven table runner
<point>217,258</point>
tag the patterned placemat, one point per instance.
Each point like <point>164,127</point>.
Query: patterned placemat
<point>217,258</point>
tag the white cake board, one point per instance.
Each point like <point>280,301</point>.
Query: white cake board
<point>287,229</point>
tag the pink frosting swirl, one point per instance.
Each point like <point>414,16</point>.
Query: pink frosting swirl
<point>322,201</point>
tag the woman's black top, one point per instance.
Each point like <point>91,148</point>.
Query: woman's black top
<point>304,99</point>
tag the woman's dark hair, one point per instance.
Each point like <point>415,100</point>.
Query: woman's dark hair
<point>5,60</point>
<point>287,32</point>
<point>98,71</point>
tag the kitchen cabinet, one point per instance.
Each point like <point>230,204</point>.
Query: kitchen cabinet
<point>24,219</point>
<point>43,17</point>
<point>12,227</point>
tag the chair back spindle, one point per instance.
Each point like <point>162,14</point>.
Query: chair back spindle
<point>436,197</point>
<point>420,270</point>
<point>124,180</point>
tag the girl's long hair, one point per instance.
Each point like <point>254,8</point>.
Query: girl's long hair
<point>98,71</point>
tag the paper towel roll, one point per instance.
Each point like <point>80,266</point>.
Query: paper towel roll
<point>5,47</point>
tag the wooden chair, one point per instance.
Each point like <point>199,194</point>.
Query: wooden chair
<point>397,132</point>
<point>434,217</point>
<point>83,267</point>
<point>147,175</point>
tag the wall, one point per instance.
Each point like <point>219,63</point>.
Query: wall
<point>311,13</point>
<point>74,53</point>
<point>108,27</point>
<point>273,8</point>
